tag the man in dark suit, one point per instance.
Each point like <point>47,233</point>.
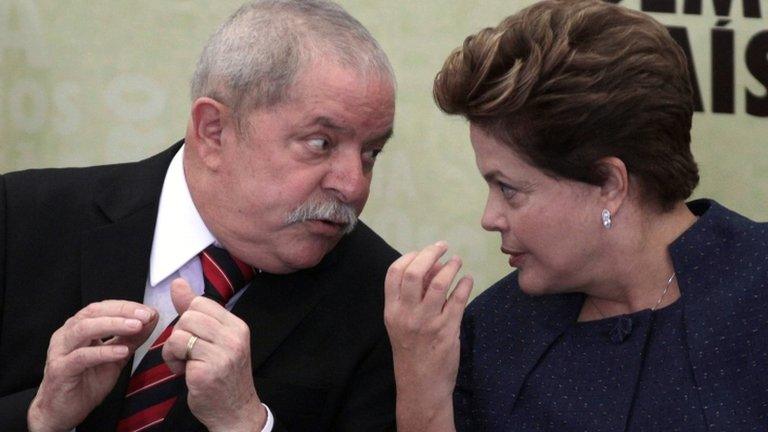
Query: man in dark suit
<point>103,268</point>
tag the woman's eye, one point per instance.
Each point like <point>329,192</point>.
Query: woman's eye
<point>371,155</point>
<point>507,191</point>
<point>318,144</point>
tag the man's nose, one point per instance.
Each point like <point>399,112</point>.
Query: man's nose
<point>346,177</point>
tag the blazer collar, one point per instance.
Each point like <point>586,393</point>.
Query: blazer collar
<point>703,246</point>
<point>717,262</point>
<point>543,318</point>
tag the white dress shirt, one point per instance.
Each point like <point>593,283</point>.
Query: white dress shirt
<point>180,235</point>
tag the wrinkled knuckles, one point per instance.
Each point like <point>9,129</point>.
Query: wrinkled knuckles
<point>202,379</point>
<point>197,302</point>
<point>242,329</point>
<point>55,337</point>
<point>184,319</point>
<point>86,312</point>
<point>393,273</point>
<point>390,316</point>
<point>228,340</point>
<point>438,285</point>
<point>54,367</point>
<point>434,328</point>
<point>79,331</point>
<point>239,351</point>
<point>414,324</point>
<point>413,277</point>
<point>80,356</point>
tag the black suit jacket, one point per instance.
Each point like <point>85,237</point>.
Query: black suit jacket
<point>69,237</point>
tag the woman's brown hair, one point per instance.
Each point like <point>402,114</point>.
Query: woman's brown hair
<point>566,83</point>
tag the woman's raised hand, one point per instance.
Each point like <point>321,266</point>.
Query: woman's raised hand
<point>423,323</point>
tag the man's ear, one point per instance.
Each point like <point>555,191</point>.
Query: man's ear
<point>208,120</point>
<point>615,187</point>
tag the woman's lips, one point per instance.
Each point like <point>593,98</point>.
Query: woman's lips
<point>515,258</point>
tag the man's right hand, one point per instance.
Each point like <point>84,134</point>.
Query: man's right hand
<point>85,357</point>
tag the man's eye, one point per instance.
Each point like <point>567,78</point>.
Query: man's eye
<point>318,144</point>
<point>507,191</point>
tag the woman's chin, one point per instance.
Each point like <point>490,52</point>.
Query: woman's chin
<point>531,285</point>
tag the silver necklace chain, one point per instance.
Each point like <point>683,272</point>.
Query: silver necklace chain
<point>658,302</point>
<point>666,288</point>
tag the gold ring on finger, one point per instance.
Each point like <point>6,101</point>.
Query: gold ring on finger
<point>190,345</point>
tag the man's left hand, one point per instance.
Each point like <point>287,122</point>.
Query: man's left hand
<point>218,365</point>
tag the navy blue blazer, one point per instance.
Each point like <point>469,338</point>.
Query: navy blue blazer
<point>722,270</point>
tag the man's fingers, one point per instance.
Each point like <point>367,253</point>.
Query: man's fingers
<point>412,287</point>
<point>457,302</point>
<point>133,341</point>
<point>176,346</point>
<point>82,332</point>
<point>199,324</point>
<point>184,299</point>
<point>175,349</point>
<point>181,295</point>
<point>213,309</point>
<point>118,308</point>
<point>434,298</point>
<point>81,359</point>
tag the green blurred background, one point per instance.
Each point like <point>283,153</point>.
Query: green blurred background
<point>86,82</point>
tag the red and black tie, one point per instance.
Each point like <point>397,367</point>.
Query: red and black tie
<point>153,388</point>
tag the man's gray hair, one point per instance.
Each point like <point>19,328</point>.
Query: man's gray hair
<point>255,56</point>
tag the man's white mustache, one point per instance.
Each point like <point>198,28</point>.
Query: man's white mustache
<point>327,210</point>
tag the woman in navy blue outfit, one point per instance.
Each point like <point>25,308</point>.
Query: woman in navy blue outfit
<point>630,309</point>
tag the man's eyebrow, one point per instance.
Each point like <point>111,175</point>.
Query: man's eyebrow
<point>383,138</point>
<point>330,124</point>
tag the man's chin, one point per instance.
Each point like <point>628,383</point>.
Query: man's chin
<point>310,253</point>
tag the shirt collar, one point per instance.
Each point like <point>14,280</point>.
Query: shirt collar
<point>180,233</point>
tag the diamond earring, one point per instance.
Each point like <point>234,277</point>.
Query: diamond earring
<point>606,215</point>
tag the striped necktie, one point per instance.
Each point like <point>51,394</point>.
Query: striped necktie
<point>153,388</point>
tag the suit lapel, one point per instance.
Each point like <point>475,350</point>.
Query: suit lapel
<point>273,306</point>
<point>115,256</point>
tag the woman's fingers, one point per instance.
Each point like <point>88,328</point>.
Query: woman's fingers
<point>435,295</point>
<point>414,276</point>
<point>394,277</point>
<point>457,302</point>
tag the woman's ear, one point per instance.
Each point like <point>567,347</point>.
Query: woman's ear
<point>208,120</point>
<point>615,187</point>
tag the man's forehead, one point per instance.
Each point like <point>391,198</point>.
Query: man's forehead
<point>328,79</point>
